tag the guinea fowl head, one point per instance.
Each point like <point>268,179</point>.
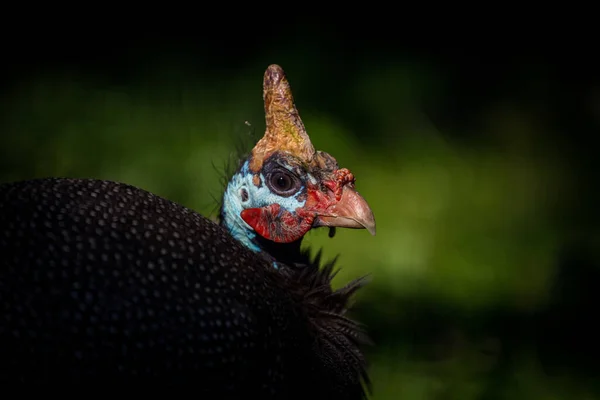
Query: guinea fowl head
<point>285,187</point>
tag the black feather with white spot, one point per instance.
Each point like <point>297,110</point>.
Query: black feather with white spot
<point>101,282</point>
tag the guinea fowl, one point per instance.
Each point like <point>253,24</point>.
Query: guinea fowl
<point>102,282</point>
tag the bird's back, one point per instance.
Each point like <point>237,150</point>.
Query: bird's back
<point>101,279</point>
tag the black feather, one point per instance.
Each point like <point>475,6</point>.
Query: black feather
<point>103,283</point>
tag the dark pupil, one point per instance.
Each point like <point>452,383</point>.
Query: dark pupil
<point>283,182</point>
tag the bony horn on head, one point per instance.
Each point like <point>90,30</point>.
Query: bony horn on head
<point>284,128</point>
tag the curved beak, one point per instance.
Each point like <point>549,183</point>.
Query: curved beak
<point>352,211</point>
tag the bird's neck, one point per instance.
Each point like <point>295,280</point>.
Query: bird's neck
<point>230,219</point>
<point>230,216</point>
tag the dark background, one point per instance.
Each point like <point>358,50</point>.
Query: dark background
<point>476,152</point>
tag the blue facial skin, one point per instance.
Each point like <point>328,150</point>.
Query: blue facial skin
<point>234,202</point>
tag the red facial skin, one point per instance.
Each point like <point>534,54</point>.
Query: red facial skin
<point>283,226</point>
<point>342,176</point>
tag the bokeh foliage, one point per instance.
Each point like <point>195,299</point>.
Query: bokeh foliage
<point>471,230</point>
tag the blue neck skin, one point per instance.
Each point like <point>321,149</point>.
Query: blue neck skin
<point>234,203</point>
<point>233,207</point>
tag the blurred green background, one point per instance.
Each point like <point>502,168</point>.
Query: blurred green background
<point>480,171</point>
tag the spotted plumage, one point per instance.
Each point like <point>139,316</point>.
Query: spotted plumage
<point>131,287</point>
<point>105,283</point>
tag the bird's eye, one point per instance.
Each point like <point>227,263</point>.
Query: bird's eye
<point>283,183</point>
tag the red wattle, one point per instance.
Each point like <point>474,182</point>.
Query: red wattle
<point>281,226</point>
